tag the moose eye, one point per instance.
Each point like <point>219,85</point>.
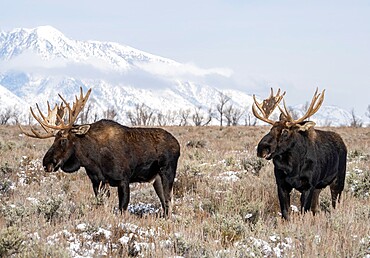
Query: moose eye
<point>284,134</point>
<point>63,142</point>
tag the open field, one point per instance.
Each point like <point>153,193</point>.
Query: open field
<point>225,205</point>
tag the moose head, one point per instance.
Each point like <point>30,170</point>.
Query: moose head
<point>59,123</point>
<point>283,134</point>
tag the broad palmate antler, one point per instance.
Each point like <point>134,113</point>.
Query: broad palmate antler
<point>55,119</point>
<point>269,105</point>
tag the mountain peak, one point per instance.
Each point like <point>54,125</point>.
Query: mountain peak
<point>47,31</point>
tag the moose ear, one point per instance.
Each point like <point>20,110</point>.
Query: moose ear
<point>81,130</point>
<point>307,125</point>
<point>282,117</point>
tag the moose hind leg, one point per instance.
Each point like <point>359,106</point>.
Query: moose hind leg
<point>167,178</point>
<point>158,187</point>
<point>335,193</point>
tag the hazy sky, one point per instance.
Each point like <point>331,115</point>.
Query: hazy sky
<point>295,45</point>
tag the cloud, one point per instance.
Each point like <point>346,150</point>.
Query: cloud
<point>147,75</point>
<point>177,70</point>
<point>30,62</point>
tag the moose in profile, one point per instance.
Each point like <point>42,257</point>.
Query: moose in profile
<point>304,158</point>
<point>110,153</point>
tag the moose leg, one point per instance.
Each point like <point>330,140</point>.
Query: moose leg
<point>306,199</point>
<point>335,192</point>
<point>100,188</point>
<point>95,185</point>
<point>158,187</point>
<point>284,200</point>
<point>123,195</point>
<point>167,178</point>
<point>315,201</point>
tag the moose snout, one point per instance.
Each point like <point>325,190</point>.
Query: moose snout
<point>264,151</point>
<point>50,165</point>
<point>49,168</point>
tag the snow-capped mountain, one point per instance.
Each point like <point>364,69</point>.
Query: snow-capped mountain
<point>37,64</point>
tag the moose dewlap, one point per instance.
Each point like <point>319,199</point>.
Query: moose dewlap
<point>304,158</point>
<point>110,153</point>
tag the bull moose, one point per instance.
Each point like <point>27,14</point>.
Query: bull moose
<point>304,158</point>
<point>110,152</point>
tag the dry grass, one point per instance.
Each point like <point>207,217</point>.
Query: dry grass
<point>225,205</point>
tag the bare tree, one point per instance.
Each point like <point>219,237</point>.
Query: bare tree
<point>5,116</point>
<point>250,120</point>
<point>84,115</point>
<point>142,115</point>
<point>368,111</point>
<point>200,119</point>
<point>16,115</point>
<point>168,118</point>
<point>110,113</point>
<point>294,113</point>
<point>184,117</point>
<point>327,122</point>
<point>232,115</point>
<point>223,99</point>
<point>8,114</point>
<point>355,121</point>
<point>161,119</point>
<point>133,119</point>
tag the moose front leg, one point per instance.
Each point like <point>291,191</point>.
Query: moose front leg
<point>95,185</point>
<point>123,195</point>
<point>306,199</point>
<point>99,183</point>
<point>315,201</point>
<point>284,190</point>
<point>284,200</point>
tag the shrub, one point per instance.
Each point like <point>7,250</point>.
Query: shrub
<point>49,207</point>
<point>359,183</point>
<point>253,165</point>
<point>11,240</point>
<point>187,180</point>
<point>14,214</point>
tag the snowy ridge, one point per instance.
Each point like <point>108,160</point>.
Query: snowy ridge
<point>38,63</point>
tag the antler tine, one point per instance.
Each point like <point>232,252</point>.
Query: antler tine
<point>53,117</point>
<point>77,107</point>
<point>35,133</point>
<point>285,112</point>
<point>315,105</point>
<point>267,106</point>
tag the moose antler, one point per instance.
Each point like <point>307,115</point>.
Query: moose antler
<point>267,106</point>
<point>55,119</point>
<point>315,105</point>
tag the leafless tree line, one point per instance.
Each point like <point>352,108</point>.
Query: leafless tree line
<point>225,113</point>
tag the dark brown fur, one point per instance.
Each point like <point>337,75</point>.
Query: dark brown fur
<point>305,159</point>
<point>118,155</point>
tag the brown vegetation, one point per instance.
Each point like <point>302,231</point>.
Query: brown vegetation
<point>225,204</point>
